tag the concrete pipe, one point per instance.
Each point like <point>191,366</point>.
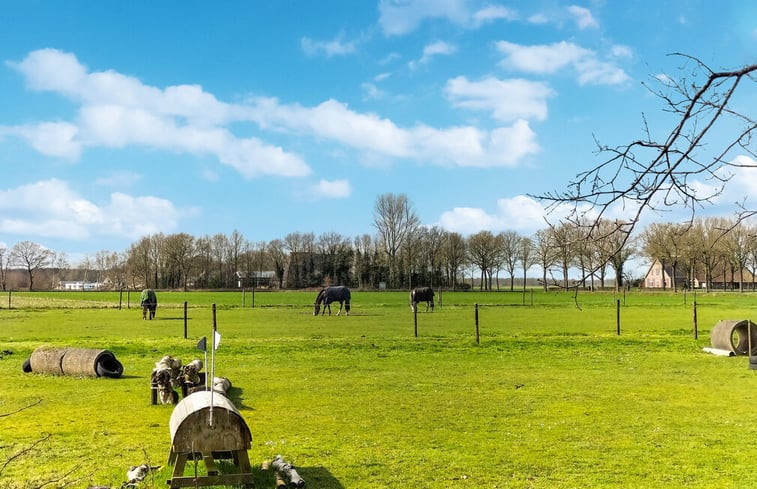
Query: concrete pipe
<point>733,335</point>
<point>84,362</point>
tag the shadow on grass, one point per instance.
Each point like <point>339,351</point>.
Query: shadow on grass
<point>314,477</point>
<point>235,396</point>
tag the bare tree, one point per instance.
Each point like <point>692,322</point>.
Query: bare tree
<point>180,257</point>
<point>545,254</point>
<point>31,256</point>
<point>58,264</point>
<point>526,255</point>
<point>563,239</point>
<point>138,260</point>
<point>5,260</point>
<point>736,247</point>
<point>509,241</point>
<point>482,251</point>
<point>453,255</point>
<point>659,173</point>
<point>615,249</point>
<point>395,220</point>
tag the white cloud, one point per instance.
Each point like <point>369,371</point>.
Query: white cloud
<point>491,13</point>
<point>550,58</point>
<point>538,18</point>
<point>119,179</point>
<point>50,208</point>
<point>507,100</point>
<point>336,47</point>
<point>371,91</point>
<point>56,139</point>
<point>734,183</point>
<point>437,48</point>
<point>454,146</point>
<point>583,17</point>
<point>401,17</point>
<point>621,51</point>
<point>520,213</point>
<point>331,189</point>
<point>119,110</point>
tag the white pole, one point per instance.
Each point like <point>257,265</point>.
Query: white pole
<point>212,366</point>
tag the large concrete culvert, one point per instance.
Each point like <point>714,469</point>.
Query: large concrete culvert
<point>85,362</point>
<point>733,335</point>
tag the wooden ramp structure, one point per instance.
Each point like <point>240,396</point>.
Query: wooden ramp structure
<point>208,432</point>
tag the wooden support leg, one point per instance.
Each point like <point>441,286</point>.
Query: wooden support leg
<point>210,464</point>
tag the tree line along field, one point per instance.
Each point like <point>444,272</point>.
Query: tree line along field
<point>551,396</point>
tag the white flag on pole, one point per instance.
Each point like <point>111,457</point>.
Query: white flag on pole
<point>217,338</point>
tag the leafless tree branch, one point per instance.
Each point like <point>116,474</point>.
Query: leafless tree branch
<point>651,174</point>
<point>2,415</point>
<point>23,452</point>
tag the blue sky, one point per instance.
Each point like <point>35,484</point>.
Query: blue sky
<point>121,119</point>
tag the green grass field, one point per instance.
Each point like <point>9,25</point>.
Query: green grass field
<point>551,397</point>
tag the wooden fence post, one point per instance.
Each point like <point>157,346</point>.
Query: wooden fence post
<point>415,321</point>
<point>477,332</point>
<point>617,316</point>
<point>185,320</point>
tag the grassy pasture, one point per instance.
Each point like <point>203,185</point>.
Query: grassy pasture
<point>550,397</point>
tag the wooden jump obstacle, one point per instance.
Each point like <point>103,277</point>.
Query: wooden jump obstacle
<point>193,437</point>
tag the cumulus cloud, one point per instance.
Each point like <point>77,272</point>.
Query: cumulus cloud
<point>50,208</point>
<point>523,215</point>
<point>492,13</point>
<point>119,110</point>
<point>583,17</point>
<point>331,189</point>
<point>547,59</point>
<point>520,213</point>
<point>335,47</point>
<point>401,17</point>
<point>453,146</point>
<point>437,48</point>
<point>397,18</point>
<point>119,179</point>
<point>734,182</point>
<point>371,91</point>
<point>507,100</point>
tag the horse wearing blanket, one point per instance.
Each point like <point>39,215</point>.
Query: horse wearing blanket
<point>422,294</point>
<point>327,295</point>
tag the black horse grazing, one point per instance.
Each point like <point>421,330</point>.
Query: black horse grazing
<point>422,294</point>
<point>327,295</point>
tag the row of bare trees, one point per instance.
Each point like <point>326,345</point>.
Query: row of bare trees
<point>403,254</point>
<point>712,251</point>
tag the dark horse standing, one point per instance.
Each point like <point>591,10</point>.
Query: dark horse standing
<point>149,302</point>
<point>422,294</point>
<point>327,295</point>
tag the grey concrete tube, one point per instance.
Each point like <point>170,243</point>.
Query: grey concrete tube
<point>733,335</point>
